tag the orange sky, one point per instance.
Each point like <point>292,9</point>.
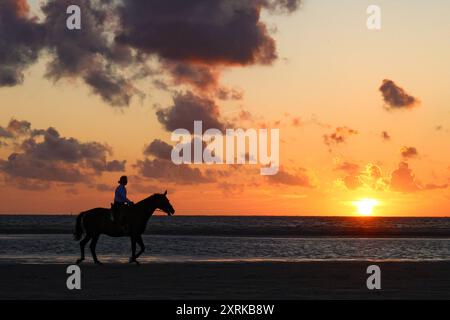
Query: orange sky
<point>327,76</point>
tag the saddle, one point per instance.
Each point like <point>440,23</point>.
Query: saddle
<point>118,216</point>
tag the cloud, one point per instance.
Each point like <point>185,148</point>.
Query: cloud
<point>113,88</point>
<point>21,39</point>
<point>224,93</point>
<point>222,32</point>
<point>385,136</point>
<point>402,179</point>
<point>88,53</point>
<point>408,152</point>
<point>340,135</point>
<point>297,178</point>
<point>166,171</point>
<point>24,166</point>
<point>115,166</point>
<point>201,77</point>
<point>348,167</point>
<point>395,97</point>
<point>46,156</point>
<point>187,108</point>
<point>352,182</point>
<point>192,41</point>
<point>369,176</point>
<point>159,149</point>
<point>4,133</point>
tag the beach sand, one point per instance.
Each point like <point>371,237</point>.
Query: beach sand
<point>229,280</point>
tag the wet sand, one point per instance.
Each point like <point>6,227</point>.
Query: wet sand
<point>229,280</point>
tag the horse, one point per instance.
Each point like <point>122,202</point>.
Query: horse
<point>97,221</point>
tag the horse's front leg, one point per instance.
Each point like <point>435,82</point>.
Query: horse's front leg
<point>92,246</point>
<point>140,242</point>
<point>133,250</point>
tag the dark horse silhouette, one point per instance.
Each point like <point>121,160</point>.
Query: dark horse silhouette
<point>98,221</point>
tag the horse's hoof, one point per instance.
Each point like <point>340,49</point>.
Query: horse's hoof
<point>98,263</point>
<point>79,261</point>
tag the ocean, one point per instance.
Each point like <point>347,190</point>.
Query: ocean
<point>48,239</point>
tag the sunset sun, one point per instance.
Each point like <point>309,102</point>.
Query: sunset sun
<point>364,207</point>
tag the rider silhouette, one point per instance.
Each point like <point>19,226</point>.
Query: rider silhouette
<point>120,200</point>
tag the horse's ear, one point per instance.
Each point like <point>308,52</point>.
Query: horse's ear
<point>165,192</point>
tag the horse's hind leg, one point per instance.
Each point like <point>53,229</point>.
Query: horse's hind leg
<point>82,245</point>
<point>140,242</point>
<point>92,246</point>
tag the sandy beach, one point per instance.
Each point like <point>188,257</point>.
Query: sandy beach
<point>229,280</point>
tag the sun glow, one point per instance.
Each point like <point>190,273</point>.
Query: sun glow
<point>364,207</point>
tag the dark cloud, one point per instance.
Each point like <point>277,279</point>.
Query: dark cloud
<point>339,136</point>
<point>408,152</point>
<point>24,166</point>
<point>282,6</point>
<point>21,39</point>
<point>114,89</point>
<point>4,133</point>
<point>115,166</point>
<point>45,155</point>
<point>159,149</point>
<point>201,77</point>
<point>88,53</point>
<point>395,97</point>
<point>27,184</point>
<point>19,128</point>
<point>297,178</point>
<point>224,93</point>
<point>212,32</point>
<point>192,40</point>
<point>166,171</point>
<point>188,108</point>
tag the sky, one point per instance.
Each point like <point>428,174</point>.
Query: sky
<point>362,114</point>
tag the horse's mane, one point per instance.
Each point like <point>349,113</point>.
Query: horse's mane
<point>148,199</point>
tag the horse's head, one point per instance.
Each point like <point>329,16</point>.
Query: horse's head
<point>163,203</point>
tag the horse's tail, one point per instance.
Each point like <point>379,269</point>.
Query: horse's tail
<point>79,227</point>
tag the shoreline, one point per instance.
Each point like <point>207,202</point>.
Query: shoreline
<point>229,280</point>
<point>349,235</point>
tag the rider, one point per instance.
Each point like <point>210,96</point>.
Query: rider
<point>120,198</point>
